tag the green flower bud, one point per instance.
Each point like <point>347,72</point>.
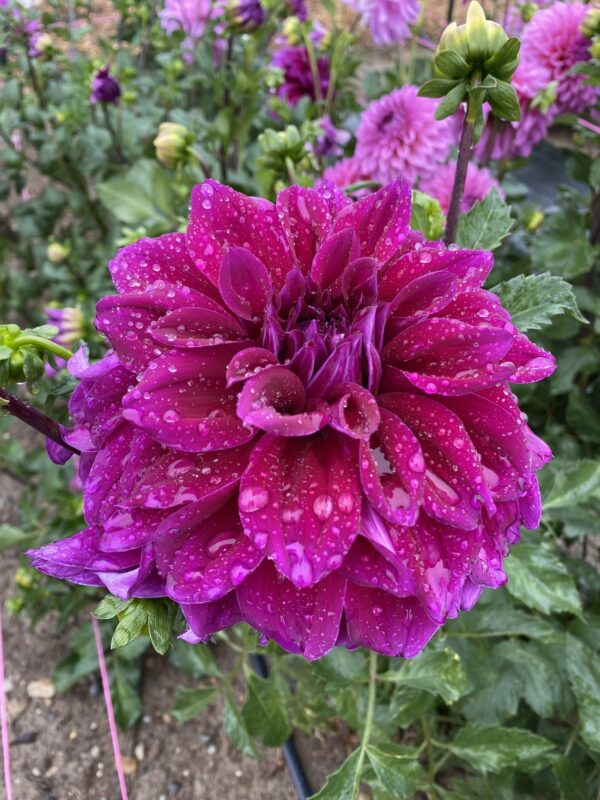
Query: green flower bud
<point>292,30</point>
<point>172,144</point>
<point>528,10</point>
<point>595,49</point>
<point>57,253</point>
<point>25,577</point>
<point>590,26</point>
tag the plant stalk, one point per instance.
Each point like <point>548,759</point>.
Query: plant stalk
<point>34,418</point>
<point>462,164</point>
<point>370,714</point>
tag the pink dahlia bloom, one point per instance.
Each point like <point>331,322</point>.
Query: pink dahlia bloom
<point>506,140</point>
<point>305,423</point>
<point>552,44</point>
<point>190,16</point>
<point>345,172</point>
<point>388,20</point>
<point>478,184</point>
<point>398,136</point>
<point>298,79</point>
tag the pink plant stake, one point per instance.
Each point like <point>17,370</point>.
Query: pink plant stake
<point>4,720</point>
<point>305,423</point>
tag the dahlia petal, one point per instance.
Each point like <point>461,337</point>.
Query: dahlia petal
<point>359,282</point>
<point>129,529</point>
<point>354,411</point>
<point>103,410</point>
<point>244,283</point>
<point>381,220</point>
<point>478,306</point>
<point>83,551</point>
<point>196,327</point>
<point>249,362</point>
<point>464,382</point>
<point>205,619</point>
<point>275,400</point>
<point>300,503</point>
<point>57,453</point>
<point>105,473</point>
<point>72,574</point>
<point>531,362</point>
<point>428,294</point>
<point>140,265</point>
<point>303,621</point>
<point>453,496</point>
<point>333,257</point>
<point>221,218</point>
<point>390,625</point>
<point>342,366</point>
<point>366,566</point>
<point>306,217</point>
<point>182,401</point>
<point>530,506</point>
<point>392,470</point>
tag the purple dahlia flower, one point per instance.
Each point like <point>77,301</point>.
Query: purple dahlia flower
<point>305,423</point>
<point>399,137</point>
<point>190,16</point>
<point>105,88</point>
<point>298,80</point>
<point>478,185</point>
<point>388,20</point>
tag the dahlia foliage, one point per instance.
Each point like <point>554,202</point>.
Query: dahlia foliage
<point>305,423</point>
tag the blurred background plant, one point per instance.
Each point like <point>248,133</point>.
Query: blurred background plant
<point>104,132</point>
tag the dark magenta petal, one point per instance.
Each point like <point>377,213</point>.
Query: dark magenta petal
<point>381,220</point>
<point>390,625</point>
<point>196,327</point>
<point>464,382</point>
<point>354,410</point>
<point>455,489</point>
<point>72,574</point>
<point>531,363</point>
<point>425,295</point>
<point>249,362</point>
<point>275,401</point>
<point>530,505</point>
<point>366,565</point>
<point>477,307</point>
<point>205,619</point>
<point>300,503</point>
<point>57,453</point>
<point>100,486</point>
<point>392,470</point>
<point>303,621</point>
<point>127,529</point>
<point>306,216</point>
<point>183,402</point>
<point>244,283</point>
<point>103,410</point>
<point>333,257</point>
<point>471,267</point>
<point>359,282</point>
<point>221,218</point>
<point>344,365</point>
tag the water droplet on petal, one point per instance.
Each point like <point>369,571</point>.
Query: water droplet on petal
<point>253,499</point>
<point>323,506</point>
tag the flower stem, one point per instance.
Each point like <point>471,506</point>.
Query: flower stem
<point>314,66</point>
<point>362,752</point>
<point>34,418</point>
<point>464,152</point>
<point>44,344</point>
<point>121,157</point>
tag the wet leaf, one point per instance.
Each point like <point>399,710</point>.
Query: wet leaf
<point>190,702</point>
<point>539,579</point>
<point>533,300</point>
<point>493,749</point>
<point>263,713</point>
<point>584,674</point>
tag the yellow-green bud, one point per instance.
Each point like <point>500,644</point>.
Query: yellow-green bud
<point>292,30</point>
<point>172,144</point>
<point>535,219</point>
<point>44,44</point>
<point>528,10</point>
<point>590,26</point>
<point>56,253</point>
<point>24,578</point>
<point>595,49</point>
<point>475,42</point>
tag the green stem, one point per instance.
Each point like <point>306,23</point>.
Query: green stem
<point>44,344</point>
<point>362,752</point>
<point>356,187</point>
<point>119,153</point>
<point>314,66</point>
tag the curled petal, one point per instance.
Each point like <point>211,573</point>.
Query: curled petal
<point>530,362</point>
<point>247,363</point>
<point>244,283</point>
<point>359,282</point>
<point>300,502</point>
<point>366,566</point>
<point>354,411</point>
<point>205,619</point>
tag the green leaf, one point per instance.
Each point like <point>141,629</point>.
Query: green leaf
<point>235,730</point>
<point>109,607</point>
<point>561,245</point>
<point>126,699</point>
<point>160,618</point>
<point>264,715</point>
<point>451,63</point>
<point>451,101</point>
<point>498,617</point>
<point>539,579</point>
<point>397,769</point>
<point>143,196</point>
<point>532,300</point>
<point>342,666</point>
<point>426,215</point>
<point>131,625</point>
<point>14,537</point>
<point>584,674</point>
<point>574,483</point>
<point>539,677</point>
<point>190,702</point>
<point>196,660</point>
<point>571,779</point>
<point>340,784</point>
<point>503,101</point>
<point>438,672</point>
<point>493,749</point>
<point>486,224</point>
<point>582,415</point>
<point>437,87</point>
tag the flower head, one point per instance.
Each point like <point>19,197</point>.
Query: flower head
<point>398,136</point>
<point>105,88</point>
<point>331,139</point>
<point>298,80</point>
<point>478,184</point>
<point>552,44</point>
<point>305,424</point>
<point>388,20</point>
<point>69,321</point>
<point>191,17</point>
<point>247,14</point>
<point>172,144</point>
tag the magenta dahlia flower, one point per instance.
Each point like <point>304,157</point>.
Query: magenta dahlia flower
<point>552,44</point>
<point>399,137</point>
<point>305,423</point>
<point>478,185</point>
<point>105,88</point>
<point>298,79</point>
<point>388,20</point>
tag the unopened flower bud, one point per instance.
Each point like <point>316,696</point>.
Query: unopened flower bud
<point>528,10</point>
<point>56,253</point>
<point>44,44</point>
<point>172,144</point>
<point>70,323</point>
<point>590,26</point>
<point>534,220</point>
<point>292,30</point>
<point>245,15</point>
<point>595,49</point>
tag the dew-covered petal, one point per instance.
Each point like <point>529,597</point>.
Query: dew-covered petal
<point>183,402</point>
<point>306,216</point>
<point>249,362</point>
<point>365,565</point>
<point>221,218</point>
<point>127,529</point>
<point>205,619</point>
<point>300,502</point>
<point>354,411</point>
<point>244,283</point>
<point>344,365</point>
<point>99,488</point>
<point>455,489</point>
<point>83,551</point>
<point>359,282</point>
<point>390,625</point>
<point>102,411</point>
<point>426,295</point>
<point>196,327</point>
<point>304,620</point>
<point>275,401</point>
<point>392,470</point>
<point>332,258</point>
<point>531,363</point>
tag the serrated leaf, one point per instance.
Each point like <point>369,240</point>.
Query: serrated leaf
<point>196,660</point>
<point>539,579</point>
<point>561,245</point>
<point>584,674</point>
<point>340,784</point>
<point>486,224</point>
<point>499,617</point>
<point>574,483</point>
<point>493,749</point>
<point>532,300</point>
<point>109,607</point>
<point>540,681</point>
<point>263,714</point>
<point>235,730</point>
<point>438,672</point>
<point>190,702</point>
<point>131,625</point>
<point>397,769</point>
<point>342,666</point>
<point>160,618</point>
